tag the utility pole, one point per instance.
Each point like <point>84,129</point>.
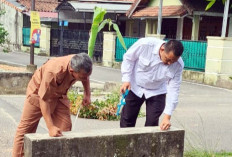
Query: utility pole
<point>160,18</point>
<point>225,17</point>
<point>32,44</point>
<point>32,67</point>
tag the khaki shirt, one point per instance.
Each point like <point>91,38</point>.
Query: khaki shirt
<point>52,81</point>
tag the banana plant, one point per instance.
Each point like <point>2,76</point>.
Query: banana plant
<point>211,3</point>
<point>97,25</point>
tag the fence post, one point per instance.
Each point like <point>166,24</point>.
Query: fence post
<point>159,36</point>
<point>45,39</point>
<point>109,39</point>
<point>218,67</point>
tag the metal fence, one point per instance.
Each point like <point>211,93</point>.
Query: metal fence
<point>120,50</point>
<point>194,55</point>
<point>75,41</point>
<point>26,37</point>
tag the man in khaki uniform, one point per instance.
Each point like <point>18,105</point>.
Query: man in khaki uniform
<point>47,96</point>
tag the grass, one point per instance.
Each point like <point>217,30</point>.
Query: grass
<point>197,145</point>
<point>201,153</point>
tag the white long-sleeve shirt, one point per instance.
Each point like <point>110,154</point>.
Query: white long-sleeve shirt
<point>148,75</point>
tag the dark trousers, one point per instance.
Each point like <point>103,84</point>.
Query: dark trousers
<point>154,108</point>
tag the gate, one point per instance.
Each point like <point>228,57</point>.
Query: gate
<point>194,55</point>
<point>75,41</point>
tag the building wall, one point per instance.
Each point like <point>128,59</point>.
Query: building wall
<point>12,21</point>
<point>135,28</point>
<point>165,2</point>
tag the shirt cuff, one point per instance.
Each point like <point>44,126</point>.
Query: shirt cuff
<point>168,111</point>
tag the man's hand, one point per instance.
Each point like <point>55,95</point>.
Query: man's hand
<point>55,132</point>
<point>86,100</point>
<point>165,124</point>
<point>125,86</point>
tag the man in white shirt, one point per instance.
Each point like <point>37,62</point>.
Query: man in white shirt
<point>151,68</point>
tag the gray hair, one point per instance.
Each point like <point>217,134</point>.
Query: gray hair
<point>81,61</point>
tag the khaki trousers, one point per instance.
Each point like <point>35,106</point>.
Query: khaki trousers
<point>30,119</point>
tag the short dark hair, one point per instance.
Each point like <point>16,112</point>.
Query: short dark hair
<point>175,46</point>
<point>81,61</point>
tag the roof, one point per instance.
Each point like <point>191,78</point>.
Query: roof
<point>111,1</point>
<point>45,16</point>
<point>14,4</point>
<point>167,11</point>
<point>41,5</point>
<point>135,5</point>
<point>89,6</point>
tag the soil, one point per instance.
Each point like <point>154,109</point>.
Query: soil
<point>7,68</point>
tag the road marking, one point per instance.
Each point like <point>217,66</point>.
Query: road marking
<point>9,116</point>
<point>12,63</point>
<point>97,81</point>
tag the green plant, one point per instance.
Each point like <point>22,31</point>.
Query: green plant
<point>102,110</point>
<point>97,26</point>
<point>212,2</point>
<point>196,144</point>
<point>201,153</point>
<point>3,32</point>
<point>5,50</point>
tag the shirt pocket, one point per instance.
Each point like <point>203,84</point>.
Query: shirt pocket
<point>143,64</point>
<point>33,99</point>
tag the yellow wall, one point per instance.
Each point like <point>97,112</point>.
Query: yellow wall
<point>151,26</point>
<point>165,2</point>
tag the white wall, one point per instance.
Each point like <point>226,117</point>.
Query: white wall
<point>12,21</point>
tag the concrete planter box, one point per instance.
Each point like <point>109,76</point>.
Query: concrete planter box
<point>121,142</point>
<point>14,83</point>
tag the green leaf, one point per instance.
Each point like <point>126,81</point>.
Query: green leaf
<point>211,3</point>
<point>102,25</point>
<point>110,24</point>
<point>223,1</point>
<point>115,26</point>
<point>98,16</point>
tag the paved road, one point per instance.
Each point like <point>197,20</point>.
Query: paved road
<point>101,74</point>
<point>203,111</point>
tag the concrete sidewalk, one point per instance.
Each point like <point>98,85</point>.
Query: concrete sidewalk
<point>203,111</point>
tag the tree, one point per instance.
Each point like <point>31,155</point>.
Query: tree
<point>3,32</point>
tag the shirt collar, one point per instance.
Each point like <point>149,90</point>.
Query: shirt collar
<point>157,47</point>
<point>70,74</point>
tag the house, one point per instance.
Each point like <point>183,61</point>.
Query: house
<point>181,19</point>
<point>12,21</point>
<point>16,21</point>
<point>78,14</point>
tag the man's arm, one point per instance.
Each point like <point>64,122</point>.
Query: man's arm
<point>45,109</point>
<point>172,98</point>
<point>128,64</point>
<point>87,93</point>
<point>48,79</point>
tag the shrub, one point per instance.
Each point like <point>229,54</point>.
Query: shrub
<point>102,110</point>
